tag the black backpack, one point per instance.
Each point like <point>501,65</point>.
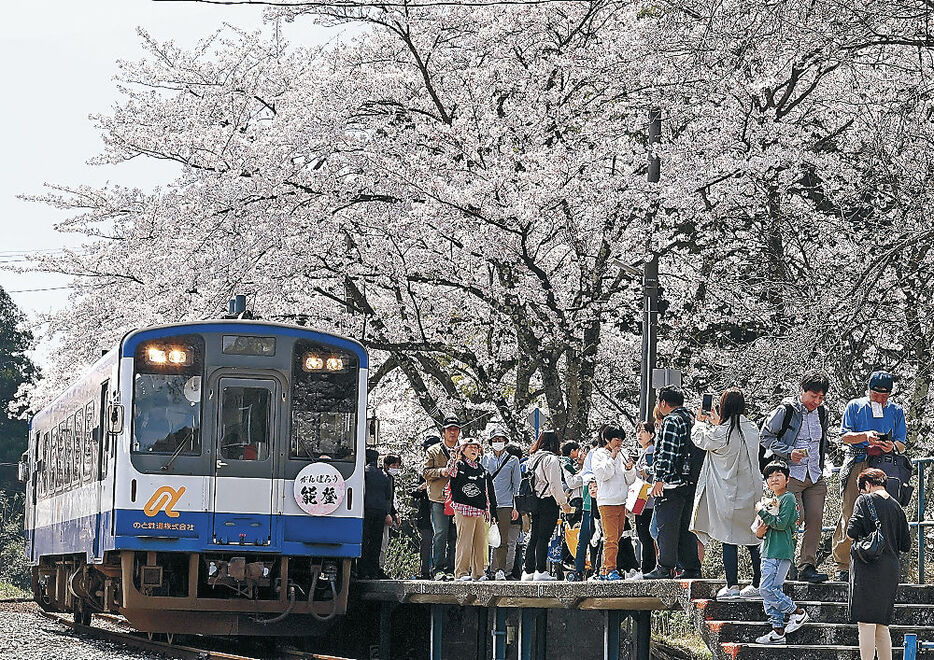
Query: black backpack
<point>899,470</point>
<point>694,461</point>
<point>527,499</point>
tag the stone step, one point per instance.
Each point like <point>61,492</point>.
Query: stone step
<point>820,612</point>
<point>843,634</point>
<point>798,652</point>
<point>827,592</point>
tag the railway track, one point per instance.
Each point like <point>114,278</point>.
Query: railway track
<point>168,648</point>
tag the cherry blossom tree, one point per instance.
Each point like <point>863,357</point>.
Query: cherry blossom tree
<point>458,187</point>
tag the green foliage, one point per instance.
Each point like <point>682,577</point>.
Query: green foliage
<point>15,369</point>
<point>402,553</point>
<point>14,569</point>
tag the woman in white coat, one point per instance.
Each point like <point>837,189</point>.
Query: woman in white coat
<point>728,488</point>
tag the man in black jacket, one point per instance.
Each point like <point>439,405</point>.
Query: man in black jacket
<point>376,515</point>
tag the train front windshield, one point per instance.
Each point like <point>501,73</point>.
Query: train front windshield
<point>324,403</point>
<point>167,396</point>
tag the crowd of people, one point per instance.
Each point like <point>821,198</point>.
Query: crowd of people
<point>607,511</point>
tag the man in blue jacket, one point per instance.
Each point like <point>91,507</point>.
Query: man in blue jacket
<point>796,432</point>
<point>872,425</point>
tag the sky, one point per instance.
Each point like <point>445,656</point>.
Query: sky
<point>57,62</point>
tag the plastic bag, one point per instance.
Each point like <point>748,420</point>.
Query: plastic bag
<point>493,537</point>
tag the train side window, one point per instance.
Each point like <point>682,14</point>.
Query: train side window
<point>47,467</point>
<point>57,461</point>
<point>79,446</point>
<point>324,403</point>
<point>90,447</point>
<point>64,434</point>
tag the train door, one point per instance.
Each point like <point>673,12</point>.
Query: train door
<point>101,440</point>
<point>33,485</point>
<point>244,452</point>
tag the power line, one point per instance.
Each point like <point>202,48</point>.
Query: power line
<point>48,288</point>
<point>351,4</point>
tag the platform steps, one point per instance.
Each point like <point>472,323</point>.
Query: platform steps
<point>730,627</point>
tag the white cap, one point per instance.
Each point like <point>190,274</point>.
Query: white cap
<point>497,432</point>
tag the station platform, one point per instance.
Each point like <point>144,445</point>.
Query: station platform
<point>526,620</point>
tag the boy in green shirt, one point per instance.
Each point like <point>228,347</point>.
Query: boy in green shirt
<point>777,554</point>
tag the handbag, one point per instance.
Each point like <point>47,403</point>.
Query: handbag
<point>869,548</point>
<point>638,496</point>
<point>493,537</point>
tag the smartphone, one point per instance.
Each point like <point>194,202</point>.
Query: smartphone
<point>707,403</point>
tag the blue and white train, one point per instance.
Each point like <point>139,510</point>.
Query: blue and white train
<point>203,478</point>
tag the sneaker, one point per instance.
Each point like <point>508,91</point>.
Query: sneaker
<point>728,593</point>
<point>772,638</point>
<point>795,621</point>
<point>811,574</point>
<point>500,576</point>
<point>634,575</point>
<point>544,576</point>
<point>613,576</point>
<point>441,576</point>
<point>750,592</point>
<point>843,576</point>
<point>658,574</point>
<point>690,575</point>
<point>597,577</point>
<point>465,578</point>
<point>482,578</point>
<point>572,576</point>
<point>527,577</point>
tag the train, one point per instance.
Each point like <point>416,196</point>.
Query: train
<point>203,477</point>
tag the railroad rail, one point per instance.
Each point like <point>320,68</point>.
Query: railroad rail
<point>146,642</point>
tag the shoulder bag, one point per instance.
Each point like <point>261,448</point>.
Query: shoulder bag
<point>869,548</point>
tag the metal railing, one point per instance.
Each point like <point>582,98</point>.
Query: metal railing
<point>918,524</point>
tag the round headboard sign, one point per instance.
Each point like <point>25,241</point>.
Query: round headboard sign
<point>319,489</point>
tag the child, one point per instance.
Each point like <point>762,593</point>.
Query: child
<point>777,555</point>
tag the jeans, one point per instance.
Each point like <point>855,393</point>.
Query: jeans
<point>544,522</point>
<point>776,602</point>
<point>443,541</point>
<point>677,546</point>
<point>643,525</point>
<point>583,542</point>
<point>731,564</point>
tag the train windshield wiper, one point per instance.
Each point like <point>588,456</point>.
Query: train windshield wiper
<point>171,460</point>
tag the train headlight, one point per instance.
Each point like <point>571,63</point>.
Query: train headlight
<point>178,356</point>
<point>335,364</point>
<point>313,362</point>
<point>156,356</point>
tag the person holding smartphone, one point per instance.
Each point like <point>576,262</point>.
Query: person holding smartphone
<point>872,425</point>
<point>796,432</point>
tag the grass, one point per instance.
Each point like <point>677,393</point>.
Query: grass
<point>10,591</point>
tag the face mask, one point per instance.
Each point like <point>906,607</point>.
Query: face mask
<point>394,471</point>
<point>499,446</point>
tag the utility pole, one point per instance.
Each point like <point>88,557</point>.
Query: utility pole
<point>650,285</point>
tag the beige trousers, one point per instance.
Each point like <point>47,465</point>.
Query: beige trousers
<point>470,554</point>
<point>811,497</point>
<point>842,542</point>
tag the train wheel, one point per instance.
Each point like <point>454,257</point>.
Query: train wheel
<point>82,613</point>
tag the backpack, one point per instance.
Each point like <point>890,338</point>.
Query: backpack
<point>899,471</point>
<point>765,455</point>
<point>694,461</point>
<point>527,499</point>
